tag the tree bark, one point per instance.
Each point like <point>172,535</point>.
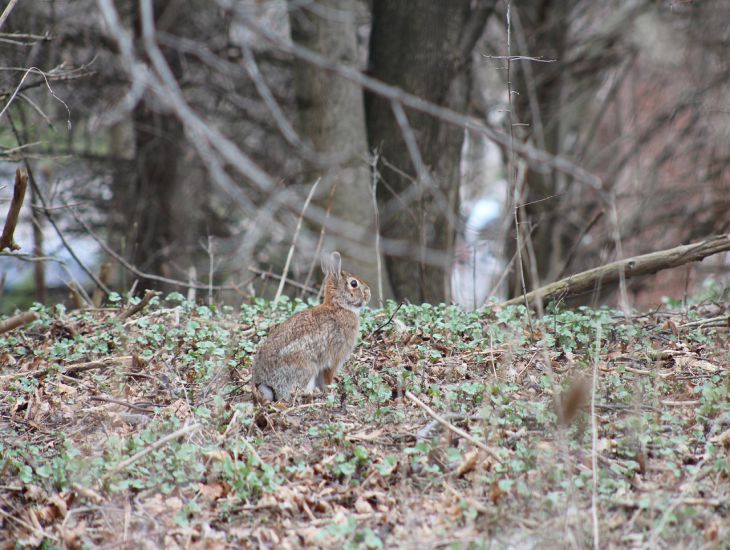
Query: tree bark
<point>150,206</point>
<point>332,120</point>
<point>423,47</point>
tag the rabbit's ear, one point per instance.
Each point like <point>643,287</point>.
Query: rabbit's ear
<point>332,264</point>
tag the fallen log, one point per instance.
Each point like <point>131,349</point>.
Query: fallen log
<point>646,264</point>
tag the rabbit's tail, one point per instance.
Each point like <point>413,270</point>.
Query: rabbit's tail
<point>267,392</point>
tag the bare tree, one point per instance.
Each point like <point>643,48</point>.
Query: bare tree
<point>332,119</point>
<point>425,48</point>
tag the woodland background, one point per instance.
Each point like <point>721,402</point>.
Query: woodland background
<point>454,151</point>
<point>177,142</point>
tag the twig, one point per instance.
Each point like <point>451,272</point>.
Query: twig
<point>18,321</point>
<point>148,295</point>
<point>457,431</point>
<point>147,450</point>
<point>594,443</point>
<point>6,11</point>
<point>91,365</point>
<point>280,289</point>
<point>424,432</point>
<point>21,184</point>
<point>133,406</point>
<point>702,322</point>
<point>673,403</point>
<point>151,276</point>
<point>378,257</point>
<point>630,267</point>
<point>38,532</point>
<point>41,198</point>
<point>264,273</point>
<point>387,321</point>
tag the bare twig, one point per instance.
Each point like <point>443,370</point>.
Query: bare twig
<point>147,450</point>
<point>133,406</point>
<point>6,11</point>
<point>148,295</point>
<point>424,432</point>
<point>386,322</point>
<point>91,365</point>
<point>18,321</point>
<point>263,273</point>
<point>376,212</point>
<point>534,156</point>
<point>21,184</point>
<point>52,221</point>
<point>285,272</point>
<point>151,276</point>
<point>645,264</point>
<point>458,431</point>
<point>594,442</point>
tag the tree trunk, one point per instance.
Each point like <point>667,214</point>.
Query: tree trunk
<point>332,120</point>
<point>151,212</point>
<point>423,47</point>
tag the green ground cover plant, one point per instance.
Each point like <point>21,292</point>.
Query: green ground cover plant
<point>117,429</point>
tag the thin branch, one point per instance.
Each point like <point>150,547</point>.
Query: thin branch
<point>594,443</point>
<point>376,213</point>
<point>148,295</point>
<point>535,156</point>
<point>21,184</point>
<point>147,450</point>
<point>276,276</point>
<point>458,431</point>
<point>142,274</point>
<point>6,11</point>
<point>39,194</point>
<point>285,272</point>
<point>387,322</point>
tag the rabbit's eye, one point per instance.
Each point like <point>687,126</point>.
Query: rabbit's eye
<point>353,283</point>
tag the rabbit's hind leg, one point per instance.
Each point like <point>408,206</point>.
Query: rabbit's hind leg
<point>325,377</point>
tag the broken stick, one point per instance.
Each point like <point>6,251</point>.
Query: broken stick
<point>646,264</point>
<point>18,321</point>
<point>148,295</point>
<point>458,431</point>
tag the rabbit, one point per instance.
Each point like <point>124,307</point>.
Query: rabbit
<point>305,351</point>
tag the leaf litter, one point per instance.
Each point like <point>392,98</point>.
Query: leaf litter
<point>116,431</point>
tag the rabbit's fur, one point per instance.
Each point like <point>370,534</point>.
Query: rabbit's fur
<point>305,351</point>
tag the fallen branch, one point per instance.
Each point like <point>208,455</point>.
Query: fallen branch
<point>21,184</point>
<point>646,264</point>
<point>148,295</point>
<point>458,431</point>
<point>18,321</point>
<point>91,365</point>
<point>147,450</point>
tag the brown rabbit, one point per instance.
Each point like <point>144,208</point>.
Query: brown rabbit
<point>305,351</point>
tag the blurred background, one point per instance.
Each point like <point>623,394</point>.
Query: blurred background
<point>212,147</point>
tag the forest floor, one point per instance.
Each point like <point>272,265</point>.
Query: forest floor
<point>142,432</point>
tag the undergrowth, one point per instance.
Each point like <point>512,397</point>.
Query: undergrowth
<point>86,399</point>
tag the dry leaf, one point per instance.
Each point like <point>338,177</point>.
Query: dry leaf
<point>495,493</point>
<point>363,506</point>
<point>469,463</point>
<point>211,491</point>
<point>573,399</point>
<point>695,363</point>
